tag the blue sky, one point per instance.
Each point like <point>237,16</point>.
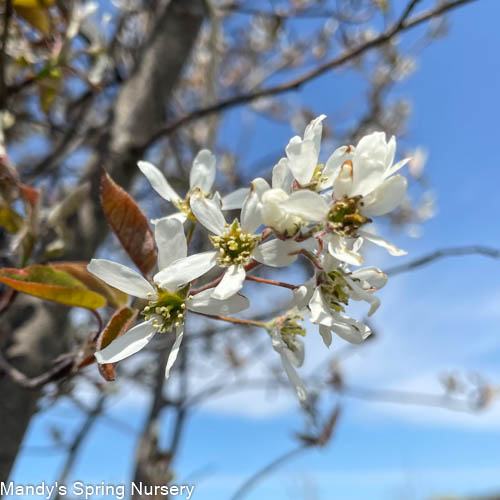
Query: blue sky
<point>442,318</point>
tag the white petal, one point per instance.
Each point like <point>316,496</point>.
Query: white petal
<point>358,293</point>
<point>351,330</point>
<point>179,334</point>
<point>202,173</point>
<point>231,283</point>
<point>251,217</point>
<point>321,313</point>
<point>372,276</point>
<point>185,270</point>
<point>277,253</point>
<point>282,176</point>
<point>129,343</point>
<point>297,357</point>
<point>302,295</point>
<point>368,174</point>
<point>260,186</point>
<point>158,181</point>
<point>280,347</point>
<point>391,151</point>
<point>303,158</point>
<point>306,204</point>
<point>337,248</point>
<point>122,277</point>
<point>377,240</point>
<point>208,213</point>
<point>326,334</point>
<point>294,378</point>
<point>170,240</point>
<point>343,183</point>
<point>234,200</point>
<point>385,197</point>
<point>333,164</point>
<point>396,167</point>
<point>178,216</point>
<point>314,130</point>
<point>374,145</point>
<point>204,302</point>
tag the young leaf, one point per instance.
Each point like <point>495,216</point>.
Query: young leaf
<point>115,297</point>
<point>39,18</point>
<point>128,223</point>
<point>10,220</point>
<point>118,324</point>
<point>51,284</point>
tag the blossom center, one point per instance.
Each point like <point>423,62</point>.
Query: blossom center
<point>167,311</point>
<point>289,329</point>
<point>344,216</point>
<point>334,289</point>
<point>235,245</point>
<point>184,205</point>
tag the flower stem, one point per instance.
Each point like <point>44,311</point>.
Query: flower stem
<point>190,233</point>
<point>271,282</point>
<point>236,321</point>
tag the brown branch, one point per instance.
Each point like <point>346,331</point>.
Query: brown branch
<point>228,319</point>
<point>296,83</point>
<point>79,439</point>
<point>59,370</point>
<point>244,489</point>
<point>271,282</point>
<point>3,56</point>
<point>441,254</point>
<point>410,398</point>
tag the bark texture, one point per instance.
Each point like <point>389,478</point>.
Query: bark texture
<point>32,334</point>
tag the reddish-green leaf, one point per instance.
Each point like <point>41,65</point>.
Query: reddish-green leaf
<point>30,194</point>
<point>115,297</point>
<point>128,223</point>
<point>51,284</point>
<point>10,220</point>
<point>118,324</point>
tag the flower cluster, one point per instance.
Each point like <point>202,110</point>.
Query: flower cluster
<point>319,211</point>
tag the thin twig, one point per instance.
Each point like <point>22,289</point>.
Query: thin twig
<point>299,81</point>
<point>409,398</point>
<point>271,282</point>
<point>79,439</point>
<point>228,319</point>
<point>244,489</point>
<point>442,253</point>
<point>57,371</point>
<point>3,56</point>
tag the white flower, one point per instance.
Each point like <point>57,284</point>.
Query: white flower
<point>167,297</point>
<point>201,179</point>
<point>364,186</point>
<point>303,153</point>
<point>328,293</point>
<point>303,156</point>
<point>286,212</point>
<point>237,244</point>
<point>283,332</point>
<point>368,172</point>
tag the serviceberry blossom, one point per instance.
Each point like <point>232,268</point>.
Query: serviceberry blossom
<point>201,180</point>
<point>168,298</point>
<point>238,243</point>
<point>328,293</point>
<point>318,211</point>
<point>283,332</point>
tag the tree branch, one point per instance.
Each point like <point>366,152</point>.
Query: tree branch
<point>296,83</point>
<point>441,254</point>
